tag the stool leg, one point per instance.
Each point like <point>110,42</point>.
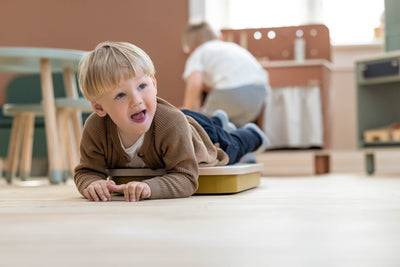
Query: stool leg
<point>26,154</point>
<point>14,147</point>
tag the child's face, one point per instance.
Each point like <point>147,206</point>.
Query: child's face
<point>131,105</point>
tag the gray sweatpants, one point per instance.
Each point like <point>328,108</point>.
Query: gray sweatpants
<point>242,104</point>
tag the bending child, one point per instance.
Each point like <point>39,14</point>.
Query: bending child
<point>231,77</point>
<point>132,127</point>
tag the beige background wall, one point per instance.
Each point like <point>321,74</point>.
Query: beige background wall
<point>154,25</point>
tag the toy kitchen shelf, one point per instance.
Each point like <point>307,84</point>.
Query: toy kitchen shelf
<point>378,101</point>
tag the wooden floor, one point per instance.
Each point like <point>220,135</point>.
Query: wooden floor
<point>328,220</point>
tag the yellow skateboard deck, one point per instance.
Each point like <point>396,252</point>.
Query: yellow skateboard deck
<point>212,180</point>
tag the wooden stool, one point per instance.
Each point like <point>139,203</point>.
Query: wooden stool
<point>21,134</point>
<point>212,180</point>
<point>22,131</point>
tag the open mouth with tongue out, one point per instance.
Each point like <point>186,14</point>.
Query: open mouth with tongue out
<point>139,116</point>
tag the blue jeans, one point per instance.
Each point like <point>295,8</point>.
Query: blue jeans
<point>236,144</point>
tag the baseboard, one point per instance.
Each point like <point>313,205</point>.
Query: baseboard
<point>292,163</point>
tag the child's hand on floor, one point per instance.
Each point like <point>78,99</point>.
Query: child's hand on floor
<point>133,191</point>
<point>98,190</point>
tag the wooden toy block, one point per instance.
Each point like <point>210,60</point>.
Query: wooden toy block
<point>384,134</point>
<point>396,135</point>
<point>378,135</point>
<point>212,180</point>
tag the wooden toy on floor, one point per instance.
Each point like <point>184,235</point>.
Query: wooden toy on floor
<point>212,180</point>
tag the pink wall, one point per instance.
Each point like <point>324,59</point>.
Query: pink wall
<point>154,25</point>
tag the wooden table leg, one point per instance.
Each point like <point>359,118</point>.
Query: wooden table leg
<point>62,120</point>
<point>53,149</point>
<point>71,91</point>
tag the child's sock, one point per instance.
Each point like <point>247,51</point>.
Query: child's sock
<point>248,158</point>
<point>265,141</point>
<point>223,117</point>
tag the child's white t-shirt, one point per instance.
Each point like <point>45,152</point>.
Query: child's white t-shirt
<point>136,161</point>
<point>225,65</point>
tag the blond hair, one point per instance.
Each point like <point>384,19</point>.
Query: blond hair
<point>102,69</point>
<point>197,34</point>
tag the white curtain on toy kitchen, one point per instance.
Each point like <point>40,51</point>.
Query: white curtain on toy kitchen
<point>293,117</point>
